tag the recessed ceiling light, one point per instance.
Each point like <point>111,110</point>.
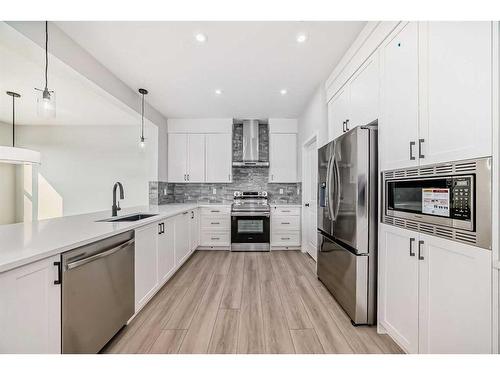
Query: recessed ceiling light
<point>283,92</point>
<point>218,92</point>
<point>301,38</point>
<point>201,38</point>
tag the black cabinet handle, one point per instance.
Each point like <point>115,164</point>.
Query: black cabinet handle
<point>161,227</point>
<point>420,154</point>
<point>412,253</point>
<point>307,205</point>
<point>343,126</point>
<point>411,150</point>
<point>346,125</point>
<point>420,256</point>
<point>59,273</point>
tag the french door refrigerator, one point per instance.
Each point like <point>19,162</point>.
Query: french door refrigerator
<point>347,221</point>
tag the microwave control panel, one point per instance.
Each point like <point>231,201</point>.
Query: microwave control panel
<point>461,198</point>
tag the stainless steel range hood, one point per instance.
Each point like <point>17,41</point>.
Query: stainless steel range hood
<point>251,146</point>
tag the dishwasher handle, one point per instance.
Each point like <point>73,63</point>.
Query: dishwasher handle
<point>106,253</point>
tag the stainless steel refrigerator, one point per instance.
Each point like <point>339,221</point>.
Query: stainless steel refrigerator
<point>347,221</point>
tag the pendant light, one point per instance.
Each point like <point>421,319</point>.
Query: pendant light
<point>142,143</point>
<point>46,100</point>
<point>13,154</point>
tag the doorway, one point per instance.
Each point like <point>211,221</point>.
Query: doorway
<point>309,195</point>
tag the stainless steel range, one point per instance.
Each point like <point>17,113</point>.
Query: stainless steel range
<point>250,229</point>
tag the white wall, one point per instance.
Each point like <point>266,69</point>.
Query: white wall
<point>81,163</point>
<point>7,180</point>
<point>314,119</point>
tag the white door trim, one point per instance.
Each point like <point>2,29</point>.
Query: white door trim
<point>305,144</point>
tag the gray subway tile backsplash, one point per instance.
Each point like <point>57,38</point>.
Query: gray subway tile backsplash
<point>244,179</point>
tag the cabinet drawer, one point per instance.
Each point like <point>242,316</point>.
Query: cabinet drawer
<point>212,223</point>
<point>285,211</point>
<point>210,238</point>
<point>285,239</point>
<point>285,223</point>
<point>216,210</point>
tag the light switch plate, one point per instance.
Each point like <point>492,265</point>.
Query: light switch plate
<point>164,191</point>
<point>214,191</point>
<point>281,191</point>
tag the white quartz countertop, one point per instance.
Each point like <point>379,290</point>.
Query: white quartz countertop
<point>25,243</point>
<point>285,205</point>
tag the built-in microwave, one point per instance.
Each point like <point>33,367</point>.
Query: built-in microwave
<point>450,200</point>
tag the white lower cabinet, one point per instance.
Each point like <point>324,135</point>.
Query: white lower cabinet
<point>398,286</point>
<point>146,264</point>
<point>182,250</point>
<point>215,227</point>
<point>30,308</point>
<point>194,230</point>
<point>166,250</point>
<point>455,297</point>
<point>434,294</point>
<point>285,227</point>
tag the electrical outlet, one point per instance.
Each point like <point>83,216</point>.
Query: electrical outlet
<point>298,191</point>
<point>214,191</point>
<point>281,191</point>
<point>164,191</point>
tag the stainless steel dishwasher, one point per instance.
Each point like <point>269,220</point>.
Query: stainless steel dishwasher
<point>97,292</point>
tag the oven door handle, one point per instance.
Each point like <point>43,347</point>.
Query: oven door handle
<point>255,214</point>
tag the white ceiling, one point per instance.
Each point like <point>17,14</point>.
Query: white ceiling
<point>78,100</point>
<point>249,61</point>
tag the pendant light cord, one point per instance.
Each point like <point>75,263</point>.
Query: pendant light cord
<point>46,51</point>
<point>13,122</point>
<point>142,118</point>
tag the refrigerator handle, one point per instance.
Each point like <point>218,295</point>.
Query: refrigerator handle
<point>328,188</point>
<point>337,187</point>
<point>331,169</point>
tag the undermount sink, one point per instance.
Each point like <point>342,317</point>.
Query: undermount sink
<point>133,217</point>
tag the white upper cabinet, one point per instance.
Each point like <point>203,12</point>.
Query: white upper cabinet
<point>357,102</point>
<point>364,94</point>
<point>455,297</point>
<point>338,113</point>
<point>177,157</point>
<point>436,93</point>
<point>196,158</point>
<point>30,309</point>
<point>200,150</point>
<point>282,157</point>
<point>398,285</point>
<point>457,83</point>
<point>219,157</point>
<point>398,125</point>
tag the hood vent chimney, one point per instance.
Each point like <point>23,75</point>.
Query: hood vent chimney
<point>251,146</point>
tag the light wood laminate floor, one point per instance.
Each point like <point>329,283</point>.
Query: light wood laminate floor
<point>224,302</point>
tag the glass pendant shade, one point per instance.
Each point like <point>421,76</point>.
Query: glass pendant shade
<point>46,104</point>
<point>142,143</point>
